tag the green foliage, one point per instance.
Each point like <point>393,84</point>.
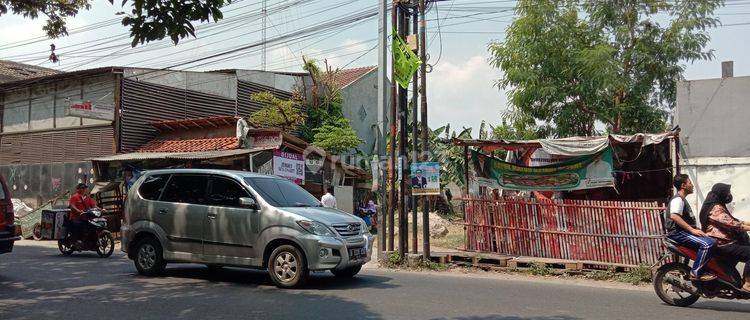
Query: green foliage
<point>336,136</point>
<point>148,20</point>
<point>326,126</point>
<point>571,64</point>
<point>285,114</point>
<point>539,269</point>
<point>636,276</point>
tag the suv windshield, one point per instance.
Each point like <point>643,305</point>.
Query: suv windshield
<point>282,193</point>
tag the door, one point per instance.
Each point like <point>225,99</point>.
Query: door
<point>182,211</point>
<point>230,230</point>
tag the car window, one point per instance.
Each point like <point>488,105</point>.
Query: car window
<point>152,187</point>
<point>226,193</point>
<point>186,189</point>
<point>282,193</point>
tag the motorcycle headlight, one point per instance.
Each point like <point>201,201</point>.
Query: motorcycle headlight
<point>315,228</point>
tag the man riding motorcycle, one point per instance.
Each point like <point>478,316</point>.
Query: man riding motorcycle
<point>729,232</point>
<point>79,204</point>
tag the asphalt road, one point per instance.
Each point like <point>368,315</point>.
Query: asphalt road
<point>39,283</point>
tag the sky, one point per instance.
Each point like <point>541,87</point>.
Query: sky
<point>461,88</point>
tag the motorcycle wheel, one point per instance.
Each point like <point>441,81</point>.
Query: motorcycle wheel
<point>668,291</point>
<point>64,247</point>
<point>105,245</point>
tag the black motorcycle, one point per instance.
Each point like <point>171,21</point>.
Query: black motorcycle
<point>93,236</point>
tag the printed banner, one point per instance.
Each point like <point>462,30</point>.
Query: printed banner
<point>425,178</point>
<point>584,172</point>
<point>289,165</point>
<point>405,61</point>
<point>88,110</point>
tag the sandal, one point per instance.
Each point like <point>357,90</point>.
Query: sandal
<point>704,277</point>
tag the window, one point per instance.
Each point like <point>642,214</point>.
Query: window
<point>282,193</point>
<point>186,189</point>
<point>226,193</point>
<point>151,188</point>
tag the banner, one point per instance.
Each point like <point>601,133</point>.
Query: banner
<point>289,165</point>
<point>584,172</point>
<point>405,61</point>
<point>425,178</point>
<point>88,110</point>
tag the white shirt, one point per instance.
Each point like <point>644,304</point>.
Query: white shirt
<point>328,200</point>
<point>676,205</point>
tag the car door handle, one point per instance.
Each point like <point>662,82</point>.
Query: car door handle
<point>163,211</point>
<point>212,216</point>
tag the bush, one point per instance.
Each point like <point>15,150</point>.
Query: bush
<point>636,276</point>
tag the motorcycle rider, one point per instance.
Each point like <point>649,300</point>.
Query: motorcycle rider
<point>79,203</point>
<point>729,232</point>
<point>682,228</point>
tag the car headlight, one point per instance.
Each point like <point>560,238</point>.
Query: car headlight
<point>315,228</point>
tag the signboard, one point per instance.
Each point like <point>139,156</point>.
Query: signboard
<point>584,172</point>
<point>89,110</point>
<point>425,178</point>
<point>269,140</point>
<point>289,165</point>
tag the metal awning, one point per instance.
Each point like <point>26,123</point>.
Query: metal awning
<point>202,155</point>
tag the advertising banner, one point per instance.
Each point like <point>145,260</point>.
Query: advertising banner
<point>425,178</point>
<point>583,172</point>
<point>289,165</point>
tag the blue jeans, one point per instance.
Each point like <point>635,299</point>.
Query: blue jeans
<point>704,245</point>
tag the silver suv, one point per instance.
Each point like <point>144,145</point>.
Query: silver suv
<point>235,218</point>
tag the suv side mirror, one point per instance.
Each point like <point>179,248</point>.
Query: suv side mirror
<point>248,203</point>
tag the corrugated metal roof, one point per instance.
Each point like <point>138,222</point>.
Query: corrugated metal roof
<point>177,155</point>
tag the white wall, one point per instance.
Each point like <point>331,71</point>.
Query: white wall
<point>219,84</point>
<point>705,172</point>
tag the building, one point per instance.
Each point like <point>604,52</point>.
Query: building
<point>713,117</point>
<point>53,122</point>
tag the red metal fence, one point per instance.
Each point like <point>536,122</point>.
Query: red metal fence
<point>623,233</point>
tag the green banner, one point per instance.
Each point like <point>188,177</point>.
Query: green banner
<point>585,172</point>
<point>405,61</point>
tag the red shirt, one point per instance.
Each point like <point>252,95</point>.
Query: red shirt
<point>82,203</point>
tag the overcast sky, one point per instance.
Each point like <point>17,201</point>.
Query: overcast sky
<point>460,88</point>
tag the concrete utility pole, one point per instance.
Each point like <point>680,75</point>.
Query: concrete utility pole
<point>414,139</point>
<point>425,128</point>
<point>382,109</point>
<point>392,120</point>
<point>263,33</point>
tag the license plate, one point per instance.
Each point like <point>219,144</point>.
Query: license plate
<point>357,253</point>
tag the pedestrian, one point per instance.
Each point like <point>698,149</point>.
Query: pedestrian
<point>328,200</point>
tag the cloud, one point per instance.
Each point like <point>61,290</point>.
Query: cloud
<point>463,94</point>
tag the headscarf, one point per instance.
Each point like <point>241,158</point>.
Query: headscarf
<point>720,194</point>
<point>370,208</point>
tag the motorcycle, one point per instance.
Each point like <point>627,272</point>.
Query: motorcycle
<point>94,236</point>
<point>673,285</point>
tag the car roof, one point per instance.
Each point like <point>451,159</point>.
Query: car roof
<point>233,173</point>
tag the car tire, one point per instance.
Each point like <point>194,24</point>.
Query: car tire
<point>149,257</point>
<point>346,273</point>
<point>287,267</point>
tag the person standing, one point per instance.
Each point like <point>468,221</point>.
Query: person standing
<point>682,228</point>
<point>328,200</point>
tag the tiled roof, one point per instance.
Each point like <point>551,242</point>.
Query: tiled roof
<point>191,145</point>
<point>185,124</point>
<point>14,71</point>
<point>345,77</point>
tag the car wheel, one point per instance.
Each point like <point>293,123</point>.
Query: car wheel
<point>149,259</point>
<point>346,273</point>
<point>287,267</point>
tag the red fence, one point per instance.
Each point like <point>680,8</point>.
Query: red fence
<point>623,233</point>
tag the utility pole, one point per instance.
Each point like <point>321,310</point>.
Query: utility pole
<point>382,110</point>
<point>392,120</point>
<point>414,138</point>
<point>425,128</point>
<point>263,33</point>
<point>403,101</point>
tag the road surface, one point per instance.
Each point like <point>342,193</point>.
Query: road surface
<point>38,283</point>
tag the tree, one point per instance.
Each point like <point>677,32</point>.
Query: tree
<point>571,64</point>
<point>148,19</point>
<point>285,114</point>
<point>336,136</point>
<point>326,126</point>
